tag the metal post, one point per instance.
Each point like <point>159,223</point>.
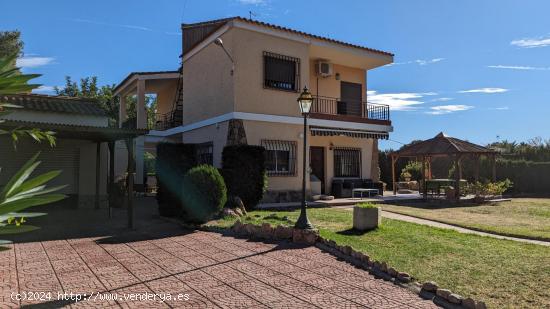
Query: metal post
<point>303,222</point>
<point>131,169</point>
<point>97,172</point>
<point>111,182</point>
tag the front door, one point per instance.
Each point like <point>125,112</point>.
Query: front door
<point>317,164</point>
<point>350,99</point>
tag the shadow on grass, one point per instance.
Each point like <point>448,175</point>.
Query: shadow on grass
<point>354,232</point>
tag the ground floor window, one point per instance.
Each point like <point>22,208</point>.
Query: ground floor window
<point>280,157</point>
<point>205,153</point>
<point>347,162</point>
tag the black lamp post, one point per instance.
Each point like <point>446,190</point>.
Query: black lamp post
<point>304,101</point>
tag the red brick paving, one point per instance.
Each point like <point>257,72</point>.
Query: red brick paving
<point>214,270</point>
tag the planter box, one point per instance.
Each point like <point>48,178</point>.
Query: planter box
<point>366,218</point>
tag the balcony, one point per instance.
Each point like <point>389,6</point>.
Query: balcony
<point>353,111</point>
<point>165,121</point>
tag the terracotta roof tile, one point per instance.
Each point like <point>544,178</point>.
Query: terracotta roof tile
<point>261,23</point>
<point>56,104</point>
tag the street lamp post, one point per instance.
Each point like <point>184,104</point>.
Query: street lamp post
<point>304,101</point>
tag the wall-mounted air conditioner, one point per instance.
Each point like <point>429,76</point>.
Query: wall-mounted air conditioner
<point>324,68</point>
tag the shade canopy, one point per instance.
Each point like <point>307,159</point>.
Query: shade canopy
<point>442,144</point>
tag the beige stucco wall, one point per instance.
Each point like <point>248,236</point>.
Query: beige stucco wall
<point>258,130</point>
<point>342,141</point>
<point>58,118</point>
<point>329,86</point>
<point>217,134</point>
<point>251,96</point>
<point>208,87</point>
<point>75,158</point>
<point>166,97</point>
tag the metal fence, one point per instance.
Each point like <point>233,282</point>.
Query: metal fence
<point>334,106</point>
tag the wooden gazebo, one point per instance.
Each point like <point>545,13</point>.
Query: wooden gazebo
<point>439,146</point>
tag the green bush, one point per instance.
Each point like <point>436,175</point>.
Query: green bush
<point>243,169</point>
<point>204,193</point>
<point>527,176</point>
<point>367,205</point>
<point>173,161</point>
<point>413,169</point>
<point>489,188</point>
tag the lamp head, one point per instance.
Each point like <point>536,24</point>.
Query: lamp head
<point>305,100</point>
<point>218,42</point>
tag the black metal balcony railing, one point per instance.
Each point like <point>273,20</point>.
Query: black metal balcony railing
<point>165,121</point>
<point>334,106</point>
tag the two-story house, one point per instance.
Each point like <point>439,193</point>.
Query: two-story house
<point>239,83</point>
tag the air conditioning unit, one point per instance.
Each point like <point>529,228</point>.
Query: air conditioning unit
<point>324,68</point>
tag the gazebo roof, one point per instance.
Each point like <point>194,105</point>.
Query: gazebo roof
<point>442,144</point>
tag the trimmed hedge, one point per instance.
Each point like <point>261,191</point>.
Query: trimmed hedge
<point>204,193</point>
<point>243,169</point>
<point>527,176</point>
<point>173,161</point>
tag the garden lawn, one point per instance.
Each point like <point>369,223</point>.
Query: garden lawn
<point>522,217</point>
<point>505,274</point>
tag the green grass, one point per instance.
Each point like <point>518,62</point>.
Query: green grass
<point>523,217</point>
<point>503,273</point>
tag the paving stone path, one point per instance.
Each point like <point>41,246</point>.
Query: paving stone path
<point>214,271</point>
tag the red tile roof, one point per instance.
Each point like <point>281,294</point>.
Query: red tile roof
<point>261,23</point>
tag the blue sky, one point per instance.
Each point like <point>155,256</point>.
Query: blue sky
<point>478,70</point>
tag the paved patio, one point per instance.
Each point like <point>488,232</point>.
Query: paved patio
<point>208,269</point>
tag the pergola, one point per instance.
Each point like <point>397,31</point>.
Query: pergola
<point>443,146</point>
<point>98,135</point>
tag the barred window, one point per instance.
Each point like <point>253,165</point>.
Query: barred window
<point>347,162</point>
<point>280,157</point>
<point>281,72</point>
<point>205,153</point>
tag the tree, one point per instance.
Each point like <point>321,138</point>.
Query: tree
<point>10,44</point>
<point>88,88</point>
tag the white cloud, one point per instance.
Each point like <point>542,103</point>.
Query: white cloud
<point>447,109</point>
<point>532,42</point>
<point>33,62</point>
<point>442,99</point>
<point>485,90</point>
<point>419,61</point>
<point>429,61</point>
<point>44,90</point>
<point>518,67</point>
<point>501,108</point>
<point>133,27</point>
<point>252,2</point>
<point>405,101</point>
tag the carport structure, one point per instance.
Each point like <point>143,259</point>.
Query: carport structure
<point>443,146</point>
<point>99,136</point>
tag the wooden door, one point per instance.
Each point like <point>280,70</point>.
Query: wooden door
<point>317,164</point>
<point>350,99</point>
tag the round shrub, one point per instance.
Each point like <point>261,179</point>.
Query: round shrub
<point>204,193</point>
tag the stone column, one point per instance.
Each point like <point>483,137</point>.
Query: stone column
<point>375,170</point>
<point>122,115</point>
<point>141,110</point>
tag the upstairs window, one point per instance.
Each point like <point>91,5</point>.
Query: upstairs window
<point>281,72</point>
<point>280,157</point>
<point>347,162</point>
<point>205,153</point>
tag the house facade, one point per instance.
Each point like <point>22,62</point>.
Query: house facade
<point>239,83</point>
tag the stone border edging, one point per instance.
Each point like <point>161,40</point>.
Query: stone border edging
<point>427,290</point>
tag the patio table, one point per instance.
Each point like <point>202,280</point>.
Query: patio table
<point>363,190</point>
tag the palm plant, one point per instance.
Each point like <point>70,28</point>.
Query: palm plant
<point>21,192</point>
